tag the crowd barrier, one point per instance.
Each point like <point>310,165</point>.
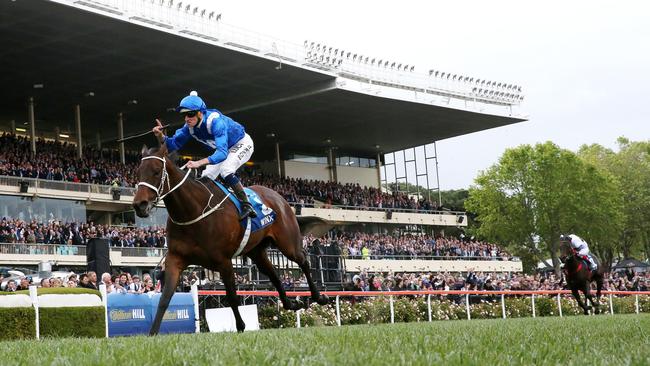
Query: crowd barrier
<point>428,294</point>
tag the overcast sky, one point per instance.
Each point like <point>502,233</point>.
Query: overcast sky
<point>584,65</point>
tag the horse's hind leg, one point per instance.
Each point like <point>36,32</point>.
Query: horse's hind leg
<point>173,267</point>
<point>576,294</point>
<point>261,260</point>
<point>303,262</point>
<point>228,278</point>
<point>599,287</point>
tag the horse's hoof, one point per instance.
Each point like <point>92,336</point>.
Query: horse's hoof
<point>292,304</point>
<point>323,299</point>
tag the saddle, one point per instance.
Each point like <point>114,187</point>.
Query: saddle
<point>265,215</point>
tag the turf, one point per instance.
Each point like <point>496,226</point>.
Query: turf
<point>578,340</point>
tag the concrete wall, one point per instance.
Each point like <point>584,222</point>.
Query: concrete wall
<point>342,216</point>
<point>358,265</point>
<point>364,176</point>
<point>314,171</point>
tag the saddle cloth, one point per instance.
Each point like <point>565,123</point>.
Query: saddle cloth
<point>265,214</point>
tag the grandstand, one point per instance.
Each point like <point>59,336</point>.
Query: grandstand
<point>82,74</point>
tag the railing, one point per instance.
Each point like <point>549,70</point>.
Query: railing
<point>140,251</point>
<point>64,249</point>
<point>206,25</point>
<point>42,249</point>
<point>39,184</point>
<point>434,257</point>
<point>427,295</point>
<point>380,209</point>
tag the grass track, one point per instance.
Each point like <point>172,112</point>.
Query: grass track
<point>579,340</point>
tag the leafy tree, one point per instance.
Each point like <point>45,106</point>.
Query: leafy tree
<point>535,193</point>
<point>631,166</point>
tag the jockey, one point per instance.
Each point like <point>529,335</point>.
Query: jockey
<point>229,143</point>
<point>580,248</point>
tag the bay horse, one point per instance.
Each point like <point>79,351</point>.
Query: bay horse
<point>203,228</point>
<point>579,277</point>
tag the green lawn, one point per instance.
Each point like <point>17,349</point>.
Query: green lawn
<point>578,340</point>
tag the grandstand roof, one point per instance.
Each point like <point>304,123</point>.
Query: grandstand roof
<point>72,52</point>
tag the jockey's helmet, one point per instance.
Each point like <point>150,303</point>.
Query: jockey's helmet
<point>191,102</point>
<point>565,238</point>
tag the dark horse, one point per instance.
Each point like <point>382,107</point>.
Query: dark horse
<point>579,277</point>
<point>203,228</point>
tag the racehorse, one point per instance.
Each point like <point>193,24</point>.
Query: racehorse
<point>202,232</point>
<point>579,277</point>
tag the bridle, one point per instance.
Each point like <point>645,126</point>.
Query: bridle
<point>165,179</point>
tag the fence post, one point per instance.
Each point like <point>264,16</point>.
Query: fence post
<point>33,294</point>
<point>320,267</point>
<point>503,306</point>
<point>298,318</point>
<point>467,306</point>
<point>102,291</point>
<point>195,299</point>
<point>559,304</point>
<point>637,303</point>
<point>611,305</point>
<point>338,312</point>
<point>429,305</point>
<point>533,300</point>
<point>392,310</point>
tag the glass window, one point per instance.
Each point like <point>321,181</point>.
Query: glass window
<point>42,209</point>
<point>309,159</point>
<point>157,217</point>
<point>363,162</point>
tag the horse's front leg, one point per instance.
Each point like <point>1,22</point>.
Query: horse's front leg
<point>174,265</point>
<point>228,277</point>
<point>576,294</point>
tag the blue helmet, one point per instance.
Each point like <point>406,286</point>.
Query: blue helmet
<point>191,102</point>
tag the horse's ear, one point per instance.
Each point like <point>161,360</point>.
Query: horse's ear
<point>163,149</point>
<point>144,150</point>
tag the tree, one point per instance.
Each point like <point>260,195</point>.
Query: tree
<point>631,166</point>
<point>535,193</point>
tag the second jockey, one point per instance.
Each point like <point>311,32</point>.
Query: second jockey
<point>580,248</point>
<point>228,142</point>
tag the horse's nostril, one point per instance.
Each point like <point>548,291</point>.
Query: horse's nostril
<point>141,206</point>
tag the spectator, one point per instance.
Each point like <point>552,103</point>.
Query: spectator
<point>11,286</point>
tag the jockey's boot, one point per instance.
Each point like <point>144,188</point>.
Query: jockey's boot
<point>247,209</point>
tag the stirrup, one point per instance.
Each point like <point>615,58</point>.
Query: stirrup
<point>247,211</point>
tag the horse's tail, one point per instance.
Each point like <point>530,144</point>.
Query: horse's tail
<point>313,225</point>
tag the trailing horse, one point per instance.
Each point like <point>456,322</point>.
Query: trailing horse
<point>579,277</point>
<point>203,229</point>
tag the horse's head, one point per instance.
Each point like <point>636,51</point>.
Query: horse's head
<point>152,176</point>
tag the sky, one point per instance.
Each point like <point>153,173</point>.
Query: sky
<point>584,65</point>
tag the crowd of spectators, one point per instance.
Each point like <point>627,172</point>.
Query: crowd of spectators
<point>115,283</point>
<point>73,233</point>
<point>124,282</point>
<point>58,161</point>
<point>359,245</point>
<point>364,281</point>
<point>349,244</point>
<point>330,193</point>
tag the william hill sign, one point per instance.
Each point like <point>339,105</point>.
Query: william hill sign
<point>131,314</point>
